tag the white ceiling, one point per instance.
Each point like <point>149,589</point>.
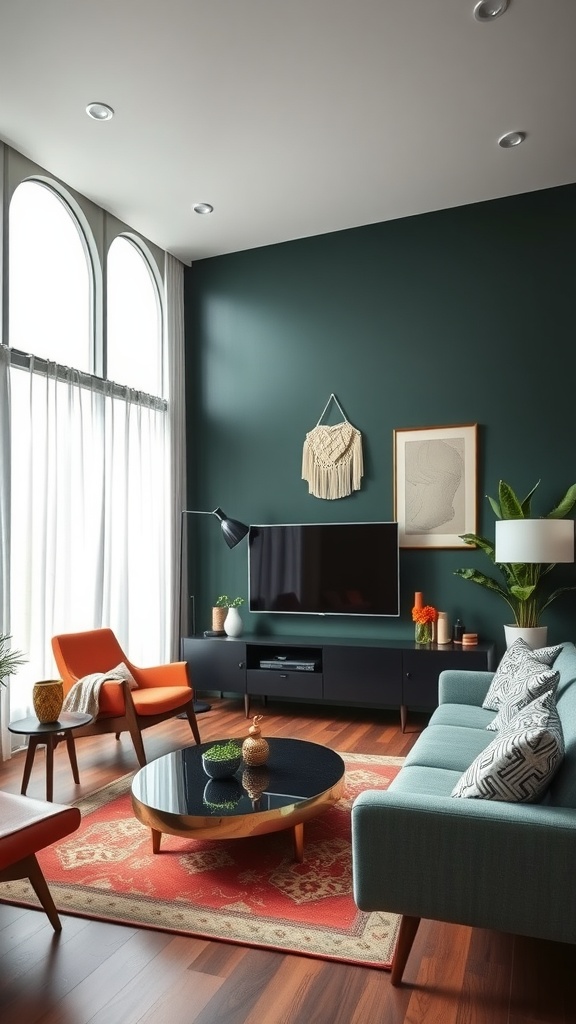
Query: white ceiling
<point>291,117</point>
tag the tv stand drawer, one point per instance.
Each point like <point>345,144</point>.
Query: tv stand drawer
<point>277,683</point>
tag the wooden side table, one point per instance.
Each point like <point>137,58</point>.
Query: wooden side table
<point>50,734</point>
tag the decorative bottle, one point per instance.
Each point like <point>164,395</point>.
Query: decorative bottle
<point>458,633</point>
<point>255,749</point>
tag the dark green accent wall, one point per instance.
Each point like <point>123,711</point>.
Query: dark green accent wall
<point>459,316</point>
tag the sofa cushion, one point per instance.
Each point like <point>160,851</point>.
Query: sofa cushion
<point>424,781</point>
<point>520,762</point>
<point>518,664</point>
<point>451,747</point>
<point>522,696</point>
<point>467,715</point>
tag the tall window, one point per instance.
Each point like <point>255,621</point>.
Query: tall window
<point>89,478</point>
<point>50,277</point>
<point>133,322</point>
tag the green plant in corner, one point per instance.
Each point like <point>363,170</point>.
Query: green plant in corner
<point>522,586</point>
<point>9,660</point>
<point>228,602</point>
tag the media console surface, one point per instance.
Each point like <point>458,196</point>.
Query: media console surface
<point>362,672</point>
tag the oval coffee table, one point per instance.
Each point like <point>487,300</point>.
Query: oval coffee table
<point>173,794</point>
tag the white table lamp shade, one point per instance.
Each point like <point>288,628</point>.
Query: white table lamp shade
<point>534,540</point>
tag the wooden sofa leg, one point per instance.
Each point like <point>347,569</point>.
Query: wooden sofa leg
<point>406,936</point>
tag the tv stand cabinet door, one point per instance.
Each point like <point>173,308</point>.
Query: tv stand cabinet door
<point>216,663</point>
<point>363,675</point>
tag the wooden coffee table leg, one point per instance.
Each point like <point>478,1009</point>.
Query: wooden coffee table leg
<point>156,837</point>
<point>299,842</point>
<point>72,755</point>
<point>32,744</point>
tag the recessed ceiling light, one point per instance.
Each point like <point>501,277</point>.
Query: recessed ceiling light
<point>202,208</point>
<point>487,10</point>
<point>100,111</point>
<point>511,139</point>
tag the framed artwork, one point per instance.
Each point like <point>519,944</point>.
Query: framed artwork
<point>435,485</point>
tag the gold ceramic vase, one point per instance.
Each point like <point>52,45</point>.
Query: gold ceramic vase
<point>47,699</point>
<point>255,749</point>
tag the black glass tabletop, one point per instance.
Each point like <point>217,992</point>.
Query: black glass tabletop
<point>296,771</point>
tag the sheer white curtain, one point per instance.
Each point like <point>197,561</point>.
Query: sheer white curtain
<point>4,535</point>
<point>90,493</point>
<point>174,305</point>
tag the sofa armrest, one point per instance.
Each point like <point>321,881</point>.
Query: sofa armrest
<point>463,686</point>
<point>475,862</point>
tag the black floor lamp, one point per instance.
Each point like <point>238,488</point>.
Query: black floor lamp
<point>233,532</point>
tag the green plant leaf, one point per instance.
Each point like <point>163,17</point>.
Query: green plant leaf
<point>565,505</point>
<point>495,507</point>
<point>509,504</point>
<point>480,542</point>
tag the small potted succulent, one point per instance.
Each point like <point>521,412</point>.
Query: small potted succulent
<point>222,759</point>
<point>232,623</point>
<point>221,608</point>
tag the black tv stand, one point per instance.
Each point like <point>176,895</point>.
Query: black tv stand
<point>360,672</point>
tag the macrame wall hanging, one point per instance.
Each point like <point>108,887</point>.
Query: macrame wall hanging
<point>332,457</point>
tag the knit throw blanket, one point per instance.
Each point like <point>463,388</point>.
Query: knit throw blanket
<point>332,460</point>
<point>85,694</point>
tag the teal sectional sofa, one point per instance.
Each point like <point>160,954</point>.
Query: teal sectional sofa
<point>422,853</point>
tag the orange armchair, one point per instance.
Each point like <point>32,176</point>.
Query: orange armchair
<point>27,826</point>
<point>163,691</point>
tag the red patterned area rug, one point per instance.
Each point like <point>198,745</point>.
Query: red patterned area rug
<point>247,891</point>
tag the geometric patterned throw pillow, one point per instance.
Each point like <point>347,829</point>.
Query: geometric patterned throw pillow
<point>516,766</point>
<point>523,694</point>
<point>518,664</point>
<point>541,712</point>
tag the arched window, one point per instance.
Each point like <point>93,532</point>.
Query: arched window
<point>87,433</point>
<point>50,279</point>
<point>134,327</point>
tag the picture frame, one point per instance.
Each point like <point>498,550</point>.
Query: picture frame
<point>435,485</point>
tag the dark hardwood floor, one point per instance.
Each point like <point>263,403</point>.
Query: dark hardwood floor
<point>111,974</point>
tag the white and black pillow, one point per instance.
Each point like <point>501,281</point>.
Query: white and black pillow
<point>520,762</point>
<point>522,694</point>
<point>518,664</point>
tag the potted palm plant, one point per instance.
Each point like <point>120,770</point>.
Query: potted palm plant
<point>523,586</point>
<point>9,660</point>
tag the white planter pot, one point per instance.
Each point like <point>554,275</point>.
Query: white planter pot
<point>233,623</point>
<point>534,636</point>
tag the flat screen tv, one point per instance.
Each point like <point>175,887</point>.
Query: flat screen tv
<point>324,569</point>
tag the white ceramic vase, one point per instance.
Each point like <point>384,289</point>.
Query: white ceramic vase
<point>233,623</point>
<point>534,636</point>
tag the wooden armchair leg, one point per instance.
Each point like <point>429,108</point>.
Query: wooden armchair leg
<point>406,936</point>
<point>29,868</point>
<point>191,715</point>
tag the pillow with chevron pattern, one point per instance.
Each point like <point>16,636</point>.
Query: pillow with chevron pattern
<point>522,696</point>
<point>518,664</point>
<point>519,763</point>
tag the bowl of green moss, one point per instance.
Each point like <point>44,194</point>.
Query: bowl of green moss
<point>222,759</point>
